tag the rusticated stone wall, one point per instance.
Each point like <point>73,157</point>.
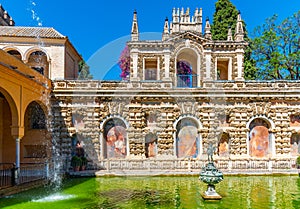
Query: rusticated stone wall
<point>217,109</point>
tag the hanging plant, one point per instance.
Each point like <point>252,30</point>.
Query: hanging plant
<point>124,63</point>
<point>184,71</point>
<point>183,68</point>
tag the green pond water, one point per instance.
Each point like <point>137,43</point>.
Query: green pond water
<point>162,192</point>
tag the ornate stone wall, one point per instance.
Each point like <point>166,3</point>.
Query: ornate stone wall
<point>220,107</point>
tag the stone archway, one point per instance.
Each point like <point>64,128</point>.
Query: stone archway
<point>35,143</point>
<point>7,142</point>
<point>115,138</point>
<point>187,138</point>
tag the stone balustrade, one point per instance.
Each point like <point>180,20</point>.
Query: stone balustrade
<point>278,85</point>
<point>185,165</point>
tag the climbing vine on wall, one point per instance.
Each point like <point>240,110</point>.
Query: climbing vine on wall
<point>124,63</point>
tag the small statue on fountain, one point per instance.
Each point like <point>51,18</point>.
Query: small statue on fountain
<point>211,176</point>
<point>210,152</point>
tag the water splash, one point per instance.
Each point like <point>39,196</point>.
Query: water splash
<point>34,14</point>
<point>54,197</point>
<point>55,165</point>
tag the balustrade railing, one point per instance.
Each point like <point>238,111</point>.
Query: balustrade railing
<point>237,165</point>
<point>187,81</point>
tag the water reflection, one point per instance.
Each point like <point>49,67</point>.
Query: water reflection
<point>184,192</point>
<point>165,192</point>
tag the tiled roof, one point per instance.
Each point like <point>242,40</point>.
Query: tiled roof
<point>40,32</point>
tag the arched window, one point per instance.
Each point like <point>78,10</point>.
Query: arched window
<point>115,136</point>
<point>150,145</point>
<point>187,140</point>
<point>259,138</point>
<point>36,116</point>
<point>38,61</point>
<point>295,144</point>
<point>15,53</point>
<point>223,146</point>
<point>186,68</point>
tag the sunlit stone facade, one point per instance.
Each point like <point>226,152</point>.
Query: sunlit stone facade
<point>163,119</point>
<point>183,92</point>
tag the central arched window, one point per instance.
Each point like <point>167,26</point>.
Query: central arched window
<point>187,63</point>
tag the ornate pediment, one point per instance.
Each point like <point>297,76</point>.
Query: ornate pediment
<point>187,35</point>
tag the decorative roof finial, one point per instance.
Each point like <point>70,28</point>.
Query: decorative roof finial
<point>239,30</point>
<point>134,28</point>
<point>207,32</point>
<point>229,34</point>
<point>166,30</point>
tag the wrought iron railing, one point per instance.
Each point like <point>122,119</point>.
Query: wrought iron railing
<point>6,174</point>
<point>187,81</point>
<point>31,172</point>
<point>28,172</point>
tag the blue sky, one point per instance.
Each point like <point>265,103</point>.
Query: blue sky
<point>99,29</point>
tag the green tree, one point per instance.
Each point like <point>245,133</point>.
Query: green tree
<point>276,48</point>
<point>84,71</point>
<point>225,17</point>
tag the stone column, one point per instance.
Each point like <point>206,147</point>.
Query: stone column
<point>239,57</point>
<point>17,171</point>
<point>134,55</point>
<point>167,65</point>
<point>208,66</point>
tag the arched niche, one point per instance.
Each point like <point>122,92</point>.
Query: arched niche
<point>295,120</point>
<point>150,145</point>
<point>223,145</point>
<point>115,138</point>
<point>260,140</point>
<point>187,138</point>
<point>295,144</point>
